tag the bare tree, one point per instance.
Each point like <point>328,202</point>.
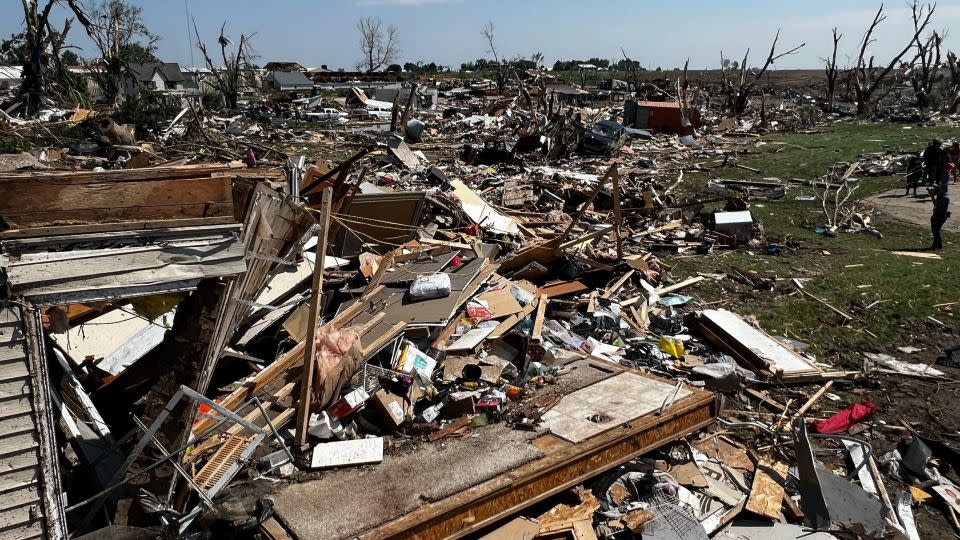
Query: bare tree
<point>43,45</point>
<point>114,26</point>
<point>378,49</point>
<point>488,34</point>
<point>235,74</point>
<point>739,91</point>
<point>832,71</point>
<point>954,64</point>
<point>926,63</point>
<point>632,65</point>
<point>868,79</point>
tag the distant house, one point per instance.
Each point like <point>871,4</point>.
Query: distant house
<point>288,81</point>
<point>426,98</point>
<point>158,76</point>
<point>283,66</point>
<point>10,77</point>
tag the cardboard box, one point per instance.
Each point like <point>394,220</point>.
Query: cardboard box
<point>388,409</point>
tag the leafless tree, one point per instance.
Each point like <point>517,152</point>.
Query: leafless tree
<point>235,74</point>
<point>739,90</point>
<point>43,45</point>
<point>488,34</point>
<point>632,65</point>
<point>113,26</point>
<point>926,63</point>
<point>869,79</point>
<point>378,49</point>
<point>832,71</point>
<point>954,64</point>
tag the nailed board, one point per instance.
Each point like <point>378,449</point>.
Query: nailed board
<point>37,203</point>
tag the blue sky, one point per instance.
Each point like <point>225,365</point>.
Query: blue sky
<point>315,32</point>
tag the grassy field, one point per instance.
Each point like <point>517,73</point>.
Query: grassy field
<point>892,296</point>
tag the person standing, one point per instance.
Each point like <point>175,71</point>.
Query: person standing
<point>941,211</point>
<point>914,173</point>
<point>933,157</point>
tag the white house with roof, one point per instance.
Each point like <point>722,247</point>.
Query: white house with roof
<point>10,77</point>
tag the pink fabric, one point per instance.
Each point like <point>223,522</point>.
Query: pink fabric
<point>842,421</point>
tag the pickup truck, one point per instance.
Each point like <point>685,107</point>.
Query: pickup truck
<point>325,115</point>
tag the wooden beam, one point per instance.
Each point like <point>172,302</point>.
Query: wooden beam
<point>616,210</point>
<point>810,402</point>
<point>538,320</point>
<point>619,283</point>
<point>310,356</point>
<point>682,285</point>
<point>584,238</point>
<point>477,507</point>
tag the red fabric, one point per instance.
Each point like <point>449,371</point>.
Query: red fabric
<point>842,421</point>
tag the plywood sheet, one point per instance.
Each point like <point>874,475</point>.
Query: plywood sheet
<point>766,494</point>
<point>607,404</point>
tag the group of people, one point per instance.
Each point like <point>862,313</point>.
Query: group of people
<point>937,167</point>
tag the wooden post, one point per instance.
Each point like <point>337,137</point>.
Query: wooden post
<point>310,353</point>
<point>616,210</point>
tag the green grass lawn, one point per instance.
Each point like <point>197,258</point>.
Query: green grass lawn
<point>859,270</point>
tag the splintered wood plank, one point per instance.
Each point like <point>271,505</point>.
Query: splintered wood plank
<point>538,320</point>
<point>41,271</point>
<point>57,230</point>
<point>38,197</point>
<point>108,219</point>
<point>221,461</point>
<point>561,289</point>
<point>766,494</point>
<point>124,175</point>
